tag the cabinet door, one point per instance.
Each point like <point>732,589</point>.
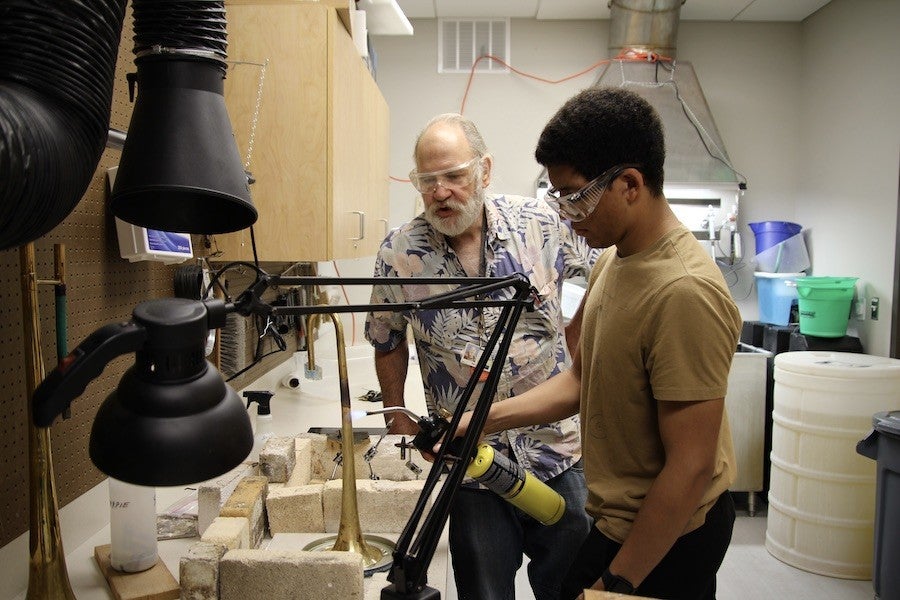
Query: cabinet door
<point>276,94</point>
<point>359,159</point>
<point>314,125</point>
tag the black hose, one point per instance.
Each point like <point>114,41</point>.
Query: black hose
<point>57,67</point>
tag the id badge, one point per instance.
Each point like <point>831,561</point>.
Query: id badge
<point>471,356</point>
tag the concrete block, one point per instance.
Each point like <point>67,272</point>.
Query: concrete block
<point>325,448</point>
<point>384,506</point>
<point>388,464</point>
<point>317,460</point>
<point>295,509</point>
<point>199,571</point>
<point>290,575</point>
<point>277,459</point>
<point>231,532</point>
<point>213,493</point>
<point>302,473</point>
<point>249,501</point>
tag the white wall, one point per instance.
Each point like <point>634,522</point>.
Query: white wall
<point>793,102</point>
<point>850,135</point>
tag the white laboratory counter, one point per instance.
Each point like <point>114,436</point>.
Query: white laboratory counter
<point>85,521</point>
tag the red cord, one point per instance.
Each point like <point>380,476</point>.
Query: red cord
<point>523,74</point>
<point>625,55</point>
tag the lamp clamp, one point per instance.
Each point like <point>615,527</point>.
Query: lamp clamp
<point>82,365</point>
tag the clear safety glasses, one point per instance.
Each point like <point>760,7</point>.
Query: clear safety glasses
<point>454,178</point>
<point>578,206</point>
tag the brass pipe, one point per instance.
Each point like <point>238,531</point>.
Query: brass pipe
<point>47,573</point>
<point>350,537</point>
<point>312,323</point>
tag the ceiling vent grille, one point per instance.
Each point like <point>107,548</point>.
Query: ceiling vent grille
<point>462,41</point>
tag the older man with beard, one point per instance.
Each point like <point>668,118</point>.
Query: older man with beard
<point>465,232</point>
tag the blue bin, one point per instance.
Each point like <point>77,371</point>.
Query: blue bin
<point>776,293</point>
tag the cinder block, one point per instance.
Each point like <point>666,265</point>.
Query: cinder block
<point>199,571</point>
<point>325,448</point>
<point>302,473</point>
<point>290,575</point>
<point>317,460</point>
<point>277,459</point>
<point>388,464</point>
<point>231,532</point>
<point>249,501</point>
<point>384,506</point>
<point>295,509</point>
<point>213,493</point>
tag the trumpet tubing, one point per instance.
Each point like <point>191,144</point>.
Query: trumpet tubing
<point>47,573</point>
<point>349,537</point>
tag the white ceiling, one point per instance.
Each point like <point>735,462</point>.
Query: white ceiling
<point>692,10</point>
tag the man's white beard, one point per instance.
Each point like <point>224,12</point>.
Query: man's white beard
<point>464,213</point>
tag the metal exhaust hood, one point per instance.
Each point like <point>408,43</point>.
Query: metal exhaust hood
<point>701,185</point>
<point>642,46</point>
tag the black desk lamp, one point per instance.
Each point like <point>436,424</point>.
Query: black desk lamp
<point>173,420</point>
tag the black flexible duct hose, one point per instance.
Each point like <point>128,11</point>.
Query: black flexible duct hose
<point>180,29</point>
<point>57,65</point>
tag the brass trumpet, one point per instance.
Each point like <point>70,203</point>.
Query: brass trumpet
<point>47,573</point>
<point>375,551</point>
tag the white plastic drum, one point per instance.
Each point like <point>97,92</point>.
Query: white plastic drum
<point>822,493</point>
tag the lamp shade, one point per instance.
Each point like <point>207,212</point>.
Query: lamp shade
<point>172,420</point>
<point>170,434</point>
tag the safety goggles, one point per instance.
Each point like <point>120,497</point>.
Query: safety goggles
<point>454,178</point>
<point>579,205</point>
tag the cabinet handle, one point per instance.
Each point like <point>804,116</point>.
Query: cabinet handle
<point>362,225</point>
<point>385,221</point>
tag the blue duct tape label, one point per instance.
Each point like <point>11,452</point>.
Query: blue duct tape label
<point>164,241</point>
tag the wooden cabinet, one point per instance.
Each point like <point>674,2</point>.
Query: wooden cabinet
<point>311,119</point>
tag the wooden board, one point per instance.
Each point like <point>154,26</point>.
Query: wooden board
<point>156,583</point>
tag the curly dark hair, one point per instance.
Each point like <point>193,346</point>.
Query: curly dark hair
<point>602,127</point>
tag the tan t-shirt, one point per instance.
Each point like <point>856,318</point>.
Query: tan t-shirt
<point>658,325</point>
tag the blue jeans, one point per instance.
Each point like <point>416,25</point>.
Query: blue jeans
<point>488,537</point>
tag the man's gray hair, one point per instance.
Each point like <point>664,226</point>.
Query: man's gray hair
<point>473,136</point>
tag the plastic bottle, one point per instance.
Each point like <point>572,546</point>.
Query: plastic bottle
<point>519,487</point>
<point>132,525</point>
<point>263,430</point>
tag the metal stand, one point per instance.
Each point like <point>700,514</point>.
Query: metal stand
<point>414,551</point>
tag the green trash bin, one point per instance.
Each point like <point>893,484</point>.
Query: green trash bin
<point>883,445</point>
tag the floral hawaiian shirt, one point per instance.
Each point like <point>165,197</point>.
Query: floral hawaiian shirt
<point>523,236</point>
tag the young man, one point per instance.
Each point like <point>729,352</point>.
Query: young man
<point>465,232</point>
<point>658,334</point>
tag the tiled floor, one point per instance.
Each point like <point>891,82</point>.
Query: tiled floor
<point>751,573</point>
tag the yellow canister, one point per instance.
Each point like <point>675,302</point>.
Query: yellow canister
<point>519,487</point>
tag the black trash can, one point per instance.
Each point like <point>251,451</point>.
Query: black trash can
<point>883,445</point>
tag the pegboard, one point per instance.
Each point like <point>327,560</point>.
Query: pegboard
<point>101,288</point>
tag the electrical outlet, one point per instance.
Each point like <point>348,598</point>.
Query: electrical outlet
<point>873,309</point>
